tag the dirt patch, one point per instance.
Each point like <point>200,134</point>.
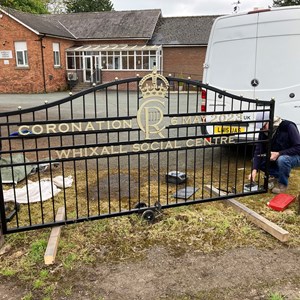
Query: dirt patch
<point>119,186</point>
<point>246,273</point>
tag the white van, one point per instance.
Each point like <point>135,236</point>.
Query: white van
<point>257,55</point>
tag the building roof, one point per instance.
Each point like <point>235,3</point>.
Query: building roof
<point>183,30</point>
<point>137,24</point>
<point>38,23</point>
<point>119,25</point>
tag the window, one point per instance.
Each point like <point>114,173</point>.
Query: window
<point>21,54</point>
<point>71,63</point>
<point>56,55</point>
<point>117,60</point>
<point>110,60</point>
<point>152,59</point>
<point>124,60</point>
<point>103,60</point>
<point>131,60</point>
<point>138,59</point>
<point>74,60</point>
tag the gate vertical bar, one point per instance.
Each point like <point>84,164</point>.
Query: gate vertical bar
<point>2,215</point>
<point>1,235</point>
<point>272,108</point>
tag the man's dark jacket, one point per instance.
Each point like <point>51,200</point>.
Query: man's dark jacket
<point>286,141</point>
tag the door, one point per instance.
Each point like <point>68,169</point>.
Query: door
<point>230,57</point>
<point>278,62</point>
<point>87,68</point>
<point>97,69</point>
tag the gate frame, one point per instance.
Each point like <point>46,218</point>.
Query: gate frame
<point>188,82</point>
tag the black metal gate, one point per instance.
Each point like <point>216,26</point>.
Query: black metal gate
<point>134,145</point>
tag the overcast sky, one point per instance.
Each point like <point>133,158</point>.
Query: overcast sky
<point>171,8</point>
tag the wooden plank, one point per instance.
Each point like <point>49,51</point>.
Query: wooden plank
<point>270,227</point>
<point>51,249</point>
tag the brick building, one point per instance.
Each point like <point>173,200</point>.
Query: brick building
<point>45,53</point>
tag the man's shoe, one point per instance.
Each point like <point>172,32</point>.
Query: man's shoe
<point>272,182</point>
<point>281,188</point>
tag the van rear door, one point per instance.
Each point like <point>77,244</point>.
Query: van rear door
<point>278,61</point>
<point>230,63</point>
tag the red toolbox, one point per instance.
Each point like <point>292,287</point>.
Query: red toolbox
<point>281,201</point>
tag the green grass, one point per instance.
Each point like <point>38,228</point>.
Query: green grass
<point>276,296</point>
<point>205,228</point>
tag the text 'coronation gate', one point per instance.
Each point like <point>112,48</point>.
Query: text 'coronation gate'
<point>134,145</point>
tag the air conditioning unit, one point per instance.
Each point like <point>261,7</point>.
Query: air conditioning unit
<point>72,76</point>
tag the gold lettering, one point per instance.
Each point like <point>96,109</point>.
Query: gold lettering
<point>169,145</point>
<point>147,118</point>
<point>187,120</point>
<point>113,150</point>
<point>216,139</point>
<point>155,148</point>
<point>145,147</point>
<point>63,153</point>
<point>197,120</point>
<point>122,150</point>
<point>60,127</point>
<point>174,121</point>
<point>51,128</point>
<point>207,141</point>
<point>189,143</point>
<point>100,123</point>
<point>93,151</point>
<point>175,145</point>
<point>89,126</point>
<point>35,127</point>
<point>76,127</point>
<point>199,142</point>
<point>224,139</point>
<point>127,124</point>
<point>77,152</point>
<point>26,130</point>
<point>104,151</point>
<point>116,124</point>
<point>135,147</point>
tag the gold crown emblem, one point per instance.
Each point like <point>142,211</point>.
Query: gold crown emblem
<point>158,87</point>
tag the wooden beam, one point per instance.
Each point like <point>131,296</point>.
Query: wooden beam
<point>273,229</point>
<point>51,250</point>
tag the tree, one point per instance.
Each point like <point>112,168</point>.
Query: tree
<point>31,6</point>
<point>56,6</point>
<point>285,2</point>
<point>74,6</point>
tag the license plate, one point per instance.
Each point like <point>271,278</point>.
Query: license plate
<point>228,129</point>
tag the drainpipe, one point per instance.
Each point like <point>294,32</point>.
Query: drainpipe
<point>43,63</point>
